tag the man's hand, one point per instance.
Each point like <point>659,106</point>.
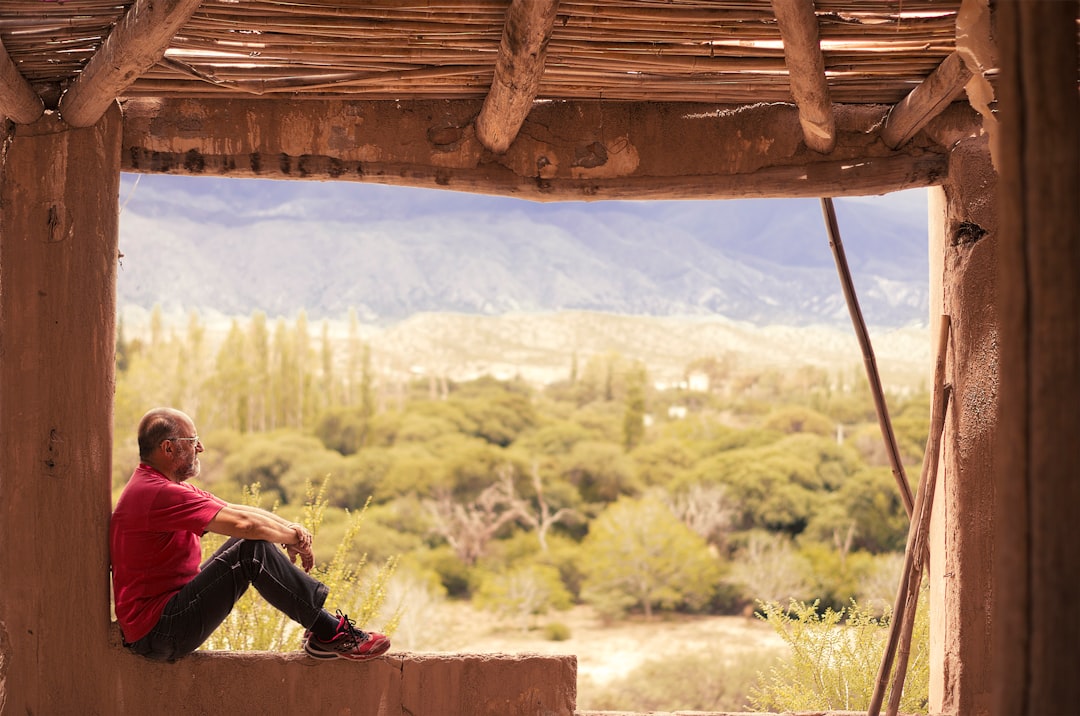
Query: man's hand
<point>304,539</point>
<point>307,559</point>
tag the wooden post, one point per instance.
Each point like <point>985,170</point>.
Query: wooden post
<point>1037,547</point>
<point>59,192</point>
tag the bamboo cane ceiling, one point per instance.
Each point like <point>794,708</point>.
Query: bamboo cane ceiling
<point>618,50</point>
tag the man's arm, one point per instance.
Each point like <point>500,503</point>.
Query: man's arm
<point>253,523</point>
<point>263,513</point>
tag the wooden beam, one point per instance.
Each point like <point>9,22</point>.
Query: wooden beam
<point>806,72</point>
<point>567,151</point>
<point>137,42</point>
<point>18,100</point>
<point>926,101</point>
<point>518,70</point>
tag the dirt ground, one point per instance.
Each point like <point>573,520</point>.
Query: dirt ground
<point>607,652</point>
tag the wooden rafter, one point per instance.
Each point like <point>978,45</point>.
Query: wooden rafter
<point>926,101</point>
<point>18,101</point>
<point>137,42</point>
<point>518,70</point>
<point>566,151</point>
<point>806,69</point>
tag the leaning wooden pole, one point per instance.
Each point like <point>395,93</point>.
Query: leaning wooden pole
<point>863,335</point>
<point>917,551</point>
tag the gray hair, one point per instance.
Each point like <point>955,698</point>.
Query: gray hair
<point>157,425</point>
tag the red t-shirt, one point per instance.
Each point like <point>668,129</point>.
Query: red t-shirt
<point>154,545</point>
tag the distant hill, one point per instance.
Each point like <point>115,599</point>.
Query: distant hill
<point>233,246</point>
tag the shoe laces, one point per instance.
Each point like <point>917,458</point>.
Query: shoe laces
<point>349,626</point>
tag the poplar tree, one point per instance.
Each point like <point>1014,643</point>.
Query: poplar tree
<point>258,348</point>
<point>634,414</point>
<point>282,377</point>
<point>231,383</point>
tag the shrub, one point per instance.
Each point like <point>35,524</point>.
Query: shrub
<point>556,631</point>
<point>833,663</point>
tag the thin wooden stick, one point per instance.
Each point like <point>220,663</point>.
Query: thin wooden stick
<point>863,335</point>
<point>921,551</point>
<point>903,617</point>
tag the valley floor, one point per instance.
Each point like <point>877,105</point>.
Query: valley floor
<point>608,652</point>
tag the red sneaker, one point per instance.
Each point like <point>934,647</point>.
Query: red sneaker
<point>348,643</point>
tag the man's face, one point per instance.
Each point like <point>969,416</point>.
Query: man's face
<point>186,451</point>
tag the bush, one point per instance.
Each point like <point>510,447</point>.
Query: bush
<point>556,631</point>
<point>833,663</point>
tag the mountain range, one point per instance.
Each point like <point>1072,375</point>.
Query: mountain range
<point>233,246</point>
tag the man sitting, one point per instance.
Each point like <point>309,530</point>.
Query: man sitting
<point>166,603</point>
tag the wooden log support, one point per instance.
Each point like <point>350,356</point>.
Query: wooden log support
<point>137,42</point>
<point>806,71</point>
<point>873,376</point>
<point>926,101</point>
<point>59,227</point>
<point>917,552</point>
<point>518,70</point>
<point>18,100</point>
<point>567,151</point>
<point>1037,545</point>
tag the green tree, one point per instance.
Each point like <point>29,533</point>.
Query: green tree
<point>283,371</point>
<point>367,392</point>
<point>639,555</point>
<point>229,387</point>
<point>601,471</point>
<point>798,419</point>
<point>870,502</point>
<point>341,429</point>
<point>328,384</point>
<point>498,411</point>
<point>190,366</point>
<point>306,401</point>
<point>634,415</point>
<point>258,347</point>
<point>280,461</point>
<point>661,462</point>
<point>767,484</point>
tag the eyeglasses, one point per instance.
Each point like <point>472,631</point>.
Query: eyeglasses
<point>193,440</point>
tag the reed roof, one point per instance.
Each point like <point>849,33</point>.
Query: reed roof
<point>723,51</point>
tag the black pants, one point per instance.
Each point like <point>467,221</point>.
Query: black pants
<point>199,608</point>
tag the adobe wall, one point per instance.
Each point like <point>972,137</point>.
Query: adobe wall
<point>392,685</point>
<point>963,265</point>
